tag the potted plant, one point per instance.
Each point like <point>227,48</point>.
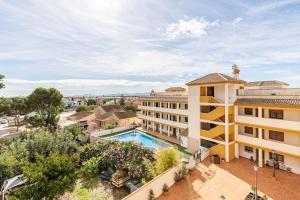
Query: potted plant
<point>165,188</point>
<point>151,195</point>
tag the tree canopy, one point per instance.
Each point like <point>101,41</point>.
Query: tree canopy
<point>46,103</point>
<point>91,102</point>
<point>1,81</point>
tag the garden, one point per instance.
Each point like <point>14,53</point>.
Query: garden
<point>55,164</point>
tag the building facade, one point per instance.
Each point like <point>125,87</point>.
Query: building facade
<point>231,118</point>
<point>166,113</point>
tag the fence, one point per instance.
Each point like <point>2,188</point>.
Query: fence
<point>99,133</point>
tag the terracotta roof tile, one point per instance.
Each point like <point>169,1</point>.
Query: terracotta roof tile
<point>268,102</point>
<point>80,115</point>
<point>274,83</point>
<point>214,78</point>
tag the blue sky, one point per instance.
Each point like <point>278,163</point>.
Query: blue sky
<point>104,47</point>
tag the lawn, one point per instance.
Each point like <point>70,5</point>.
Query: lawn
<point>95,189</point>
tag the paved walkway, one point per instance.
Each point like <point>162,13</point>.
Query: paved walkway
<point>233,180</point>
<point>161,136</point>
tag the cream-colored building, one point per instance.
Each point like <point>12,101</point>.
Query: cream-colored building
<point>231,118</point>
<point>166,113</point>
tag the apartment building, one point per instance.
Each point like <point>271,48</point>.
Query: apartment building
<point>166,113</point>
<point>231,118</point>
<point>267,126</point>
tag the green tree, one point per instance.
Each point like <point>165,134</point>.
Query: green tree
<point>85,108</point>
<point>1,81</point>
<point>16,107</point>
<point>130,108</point>
<point>47,105</point>
<point>167,159</point>
<point>49,177</point>
<point>122,100</point>
<point>91,102</point>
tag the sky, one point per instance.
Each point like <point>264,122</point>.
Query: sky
<point>133,46</point>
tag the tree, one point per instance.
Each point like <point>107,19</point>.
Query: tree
<point>1,81</point>
<point>122,100</point>
<point>130,108</point>
<point>47,105</point>
<point>49,177</point>
<point>15,107</point>
<point>167,159</point>
<point>85,108</point>
<point>91,102</point>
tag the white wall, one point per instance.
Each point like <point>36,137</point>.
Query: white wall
<point>220,93</point>
<point>245,154</point>
<point>194,111</point>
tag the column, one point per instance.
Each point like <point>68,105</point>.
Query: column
<point>260,156</point>
<point>177,106</point>
<point>237,153</point>
<point>160,131</point>
<point>260,112</point>
<point>226,124</point>
<point>168,130</point>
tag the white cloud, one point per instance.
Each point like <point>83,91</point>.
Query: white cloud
<point>237,21</point>
<point>195,27</point>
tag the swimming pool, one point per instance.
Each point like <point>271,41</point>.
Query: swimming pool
<point>140,137</point>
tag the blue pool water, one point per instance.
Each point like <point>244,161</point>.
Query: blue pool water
<point>146,140</point>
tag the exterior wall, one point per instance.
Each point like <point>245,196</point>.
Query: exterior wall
<point>220,93</point>
<point>245,154</point>
<point>194,121</point>
<point>156,185</point>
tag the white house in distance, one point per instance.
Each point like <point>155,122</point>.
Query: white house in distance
<point>231,118</point>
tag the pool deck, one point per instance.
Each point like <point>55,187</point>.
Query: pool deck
<point>160,136</point>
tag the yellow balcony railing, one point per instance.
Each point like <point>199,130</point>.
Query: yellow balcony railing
<point>208,99</point>
<point>214,132</point>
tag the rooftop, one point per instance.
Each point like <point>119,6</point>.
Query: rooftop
<point>80,115</point>
<point>215,78</point>
<point>110,108</point>
<point>269,102</point>
<point>272,83</point>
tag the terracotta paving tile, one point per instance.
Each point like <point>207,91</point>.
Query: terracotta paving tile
<point>234,179</point>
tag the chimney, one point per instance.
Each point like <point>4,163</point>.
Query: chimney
<point>236,71</point>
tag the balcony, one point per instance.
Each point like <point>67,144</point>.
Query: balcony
<point>269,145</point>
<point>164,121</point>
<point>268,122</point>
<point>165,110</point>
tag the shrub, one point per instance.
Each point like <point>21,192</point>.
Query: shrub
<point>151,195</point>
<point>165,188</point>
<point>184,170</point>
<point>167,159</point>
<point>177,177</point>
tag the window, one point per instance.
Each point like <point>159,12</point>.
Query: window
<point>276,114</point>
<point>248,111</point>
<point>186,106</point>
<point>248,130</point>
<point>276,135</point>
<point>248,149</point>
<point>277,157</point>
<point>186,119</point>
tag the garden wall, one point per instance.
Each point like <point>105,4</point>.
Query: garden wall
<point>156,185</point>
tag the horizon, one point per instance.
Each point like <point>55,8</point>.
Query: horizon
<point>101,48</point>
